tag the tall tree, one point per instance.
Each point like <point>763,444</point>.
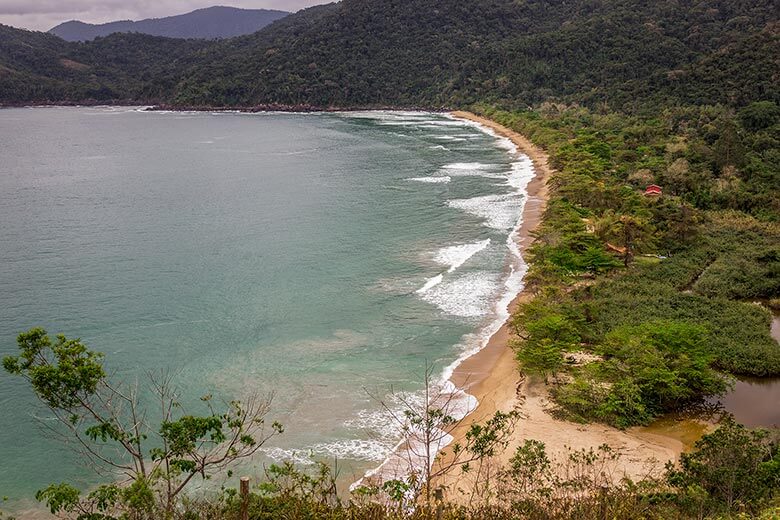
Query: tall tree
<point>630,233</point>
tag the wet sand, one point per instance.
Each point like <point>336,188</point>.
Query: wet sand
<point>493,377</point>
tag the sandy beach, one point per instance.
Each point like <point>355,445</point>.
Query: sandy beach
<point>493,377</point>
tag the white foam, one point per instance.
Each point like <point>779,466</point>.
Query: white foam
<point>469,296</point>
<point>467,166</point>
<point>475,169</point>
<point>372,450</point>
<point>301,457</point>
<point>396,465</point>
<point>512,286</point>
<point>521,174</point>
<point>441,179</point>
<point>447,122</point>
<point>409,455</point>
<point>384,114</point>
<point>456,256</point>
<point>498,211</point>
<point>434,124</point>
<point>418,119</point>
<point>501,211</point>
<point>431,283</point>
<point>380,423</point>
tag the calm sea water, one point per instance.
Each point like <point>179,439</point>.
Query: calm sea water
<point>315,256</point>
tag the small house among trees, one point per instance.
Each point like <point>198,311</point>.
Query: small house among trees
<point>653,190</point>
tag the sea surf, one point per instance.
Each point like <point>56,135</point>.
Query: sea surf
<point>325,257</point>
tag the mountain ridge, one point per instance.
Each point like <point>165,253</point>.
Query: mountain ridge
<point>208,23</point>
<point>624,54</point>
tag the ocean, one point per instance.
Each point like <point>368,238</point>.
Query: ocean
<point>327,259</point>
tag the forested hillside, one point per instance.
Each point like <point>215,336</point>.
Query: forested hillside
<point>38,67</point>
<point>444,54</point>
<point>426,53</point>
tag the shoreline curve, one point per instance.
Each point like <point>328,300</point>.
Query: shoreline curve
<point>492,375</point>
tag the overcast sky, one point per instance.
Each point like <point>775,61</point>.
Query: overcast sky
<point>42,15</point>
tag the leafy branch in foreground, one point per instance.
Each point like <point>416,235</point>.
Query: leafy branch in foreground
<point>149,466</point>
<point>732,468</point>
<point>425,456</point>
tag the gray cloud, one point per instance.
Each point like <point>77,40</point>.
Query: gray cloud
<point>42,15</point>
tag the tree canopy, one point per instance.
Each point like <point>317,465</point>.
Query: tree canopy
<point>360,53</point>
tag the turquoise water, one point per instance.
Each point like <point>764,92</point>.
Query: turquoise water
<point>315,256</point>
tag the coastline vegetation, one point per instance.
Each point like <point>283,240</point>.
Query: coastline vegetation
<point>662,291</point>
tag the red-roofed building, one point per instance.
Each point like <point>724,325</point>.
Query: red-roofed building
<point>653,190</point>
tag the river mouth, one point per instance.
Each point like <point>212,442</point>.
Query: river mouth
<point>752,401</point>
<point>755,401</point>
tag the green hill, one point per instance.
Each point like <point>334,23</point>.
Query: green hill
<point>37,67</point>
<point>430,53</point>
<point>427,53</point>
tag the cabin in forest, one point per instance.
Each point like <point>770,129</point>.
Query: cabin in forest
<point>653,190</point>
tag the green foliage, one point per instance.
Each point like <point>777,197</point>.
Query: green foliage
<point>662,322</point>
<point>731,469</point>
<point>656,367</point>
<point>41,68</point>
<point>183,434</point>
<point>59,497</point>
<point>101,503</point>
<point>547,337</point>
<point>107,496</point>
<point>565,247</point>
<point>362,53</point>
<point>696,84</point>
<point>484,440</point>
<point>670,360</point>
<point>110,431</point>
<point>732,461</point>
<point>288,483</point>
<point>553,327</point>
<point>411,53</point>
<point>577,485</point>
<point>632,234</point>
<point>63,374</point>
<point>543,357</point>
<point>742,275</point>
<point>711,257</point>
<point>529,468</point>
<point>759,115</point>
<point>680,288</point>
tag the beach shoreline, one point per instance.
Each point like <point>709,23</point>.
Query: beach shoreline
<point>492,375</point>
<point>472,372</point>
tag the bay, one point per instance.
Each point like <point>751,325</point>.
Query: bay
<point>316,256</point>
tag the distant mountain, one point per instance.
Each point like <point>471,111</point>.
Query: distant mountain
<point>210,23</point>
